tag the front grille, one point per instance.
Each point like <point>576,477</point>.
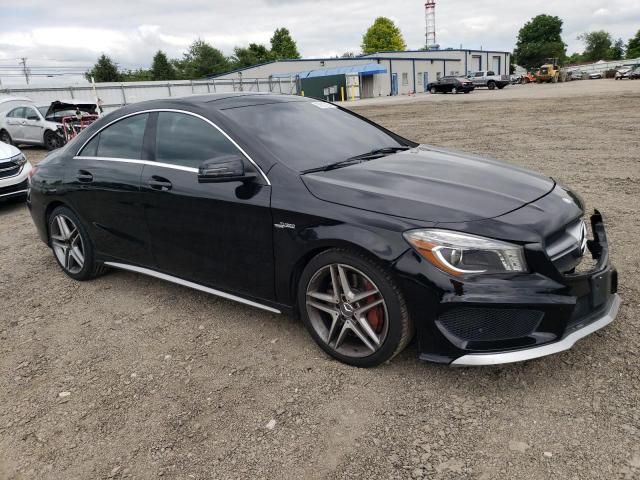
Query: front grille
<point>566,248</point>
<point>489,324</point>
<point>9,169</point>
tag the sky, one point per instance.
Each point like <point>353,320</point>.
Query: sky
<point>72,34</point>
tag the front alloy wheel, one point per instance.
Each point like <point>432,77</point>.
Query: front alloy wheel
<point>347,310</point>
<point>353,308</point>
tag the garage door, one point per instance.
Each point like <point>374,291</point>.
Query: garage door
<point>496,65</point>
<point>476,63</point>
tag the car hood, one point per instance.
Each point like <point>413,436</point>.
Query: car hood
<point>7,151</point>
<point>431,184</point>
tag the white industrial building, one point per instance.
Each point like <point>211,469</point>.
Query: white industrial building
<point>378,74</point>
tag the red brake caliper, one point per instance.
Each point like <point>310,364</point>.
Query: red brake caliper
<point>375,316</point>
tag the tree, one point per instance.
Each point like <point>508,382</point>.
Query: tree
<point>253,55</point>
<point>617,50</point>
<point>200,61</point>
<point>348,55</point>
<point>382,36</point>
<point>161,68</point>
<point>597,45</point>
<point>539,39</point>
<point>633,47</point>
<point>574,58</point>
<point>139,75</point>
<point>105,70</point>
<point>283,46</point>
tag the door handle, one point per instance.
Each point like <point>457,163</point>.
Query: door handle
<point>159,183</point>
<point>84,176</point>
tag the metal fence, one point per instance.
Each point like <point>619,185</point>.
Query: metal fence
<point>604,66</point>
<point>116,95</point>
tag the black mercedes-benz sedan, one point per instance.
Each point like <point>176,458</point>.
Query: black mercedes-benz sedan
<point>298,206</point>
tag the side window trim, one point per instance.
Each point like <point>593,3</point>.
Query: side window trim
<point>158,110</point>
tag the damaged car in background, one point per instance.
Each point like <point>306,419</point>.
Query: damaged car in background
<point>50,126</point>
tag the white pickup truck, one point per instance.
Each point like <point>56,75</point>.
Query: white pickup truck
<point>489,79</point>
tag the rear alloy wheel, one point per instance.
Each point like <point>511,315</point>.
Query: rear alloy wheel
<point>491,85</point>
<point>52,140</point>
<point>5,137</point>
<point>67,245</point>
<point>454,90</point>
<point>72,246</point>
<point>353,309</point>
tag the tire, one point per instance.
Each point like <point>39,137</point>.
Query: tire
<point>52,140</point>
<point>433,90</point>
<point>491,85</point>
<point>454,90</point>
<point>71,245</point>
<point>5,137</point>
<point>467,91</point>
<point>344,324</point>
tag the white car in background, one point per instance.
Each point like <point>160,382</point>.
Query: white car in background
<point>14,172</point>
<point>26,125</point>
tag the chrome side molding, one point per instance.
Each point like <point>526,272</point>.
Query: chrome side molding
<point>186,283</point>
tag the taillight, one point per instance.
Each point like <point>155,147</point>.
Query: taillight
<point>32,172</point>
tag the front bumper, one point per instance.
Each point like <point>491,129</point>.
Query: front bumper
<point>478,359</point>
<point>501,319</point>
<point>15,185</point>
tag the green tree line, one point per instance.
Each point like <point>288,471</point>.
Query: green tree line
<point>199,61</point>
<point>541,38</point>
<point>202,59</point>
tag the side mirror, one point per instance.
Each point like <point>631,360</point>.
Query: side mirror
<point>227,168</point>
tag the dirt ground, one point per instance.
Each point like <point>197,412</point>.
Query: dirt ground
<point>131,377</point>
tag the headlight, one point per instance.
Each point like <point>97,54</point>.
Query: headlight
<point>20,159</point>
<point>461,253</point>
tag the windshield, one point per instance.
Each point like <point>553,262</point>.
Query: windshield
<point>305,135</point>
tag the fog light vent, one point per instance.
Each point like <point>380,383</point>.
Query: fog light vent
<point>489,324</point>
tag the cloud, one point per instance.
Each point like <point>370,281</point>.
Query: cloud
<point>77,31</point>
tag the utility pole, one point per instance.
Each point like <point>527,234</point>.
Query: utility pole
<point>25,70</point>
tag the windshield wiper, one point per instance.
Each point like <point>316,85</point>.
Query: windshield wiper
<point>380,152</point>
<point>377,153</point>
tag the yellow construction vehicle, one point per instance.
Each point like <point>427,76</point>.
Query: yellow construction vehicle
<point>549,72</point>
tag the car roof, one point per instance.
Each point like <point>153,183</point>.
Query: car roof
<point>216,101</point>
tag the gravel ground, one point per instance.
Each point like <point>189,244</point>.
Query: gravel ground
<point>132,377</point>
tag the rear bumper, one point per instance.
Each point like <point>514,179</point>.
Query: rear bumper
<point>478,359</point>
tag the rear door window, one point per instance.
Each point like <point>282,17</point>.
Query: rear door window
<point>188,141</point>
<point>123,139</point>
<point>17,113</point>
